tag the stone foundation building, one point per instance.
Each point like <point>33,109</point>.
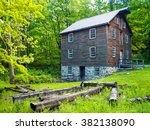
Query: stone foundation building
<point>93,47</point>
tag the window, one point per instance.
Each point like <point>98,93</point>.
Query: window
<point>96,71</point>
<point>117,20</point>
<point>113,33</point>
<point>92,52</point>
<point>92,33</point>
<point>113,51</point>
<point>70,53</point>
<point>70,37</point>
<point>69,70</point>
<point>124,25</point>
<point>126,38</point>
<point>127,54</point>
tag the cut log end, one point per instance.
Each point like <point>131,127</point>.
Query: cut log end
<point>32,105</point>
<point>113,95</point>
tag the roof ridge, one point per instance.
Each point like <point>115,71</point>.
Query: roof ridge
<point>93,21</point>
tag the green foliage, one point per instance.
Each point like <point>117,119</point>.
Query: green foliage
<point>37,76</point>
<point>139,20</point>
<point>15,16</point>
<point>137,86</point>
<point>30,30</point>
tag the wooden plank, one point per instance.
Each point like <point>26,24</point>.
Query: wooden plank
<point>70,97</point>
<point>94,84</point>
<point>44,93</point>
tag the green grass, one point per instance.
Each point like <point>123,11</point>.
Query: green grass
<point>138,82</point>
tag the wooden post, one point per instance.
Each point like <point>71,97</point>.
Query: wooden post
<point>60,99</point>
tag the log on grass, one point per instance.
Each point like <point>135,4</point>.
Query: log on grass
<point>114,94</point>
<point>24,86</point>
<point>94,84</point>
<point>16,90</point>
<point>49,97</point>
<point>27,87</point>
<point>70,97</point>
<point>140,99</point>
<point>109,84</point>
<point>44,93</point>
<point>56,95</point>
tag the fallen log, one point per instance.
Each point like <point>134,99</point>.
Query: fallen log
<point>110,84</point>
<point>70,97</point>
<point>44,93</point>
<point>20,88</point>
<point>94,84</point>
<point>51,97</point>
<point>140,99</point>
<point>114,94</point>
<point>16,90</point>
<point>25,87</point>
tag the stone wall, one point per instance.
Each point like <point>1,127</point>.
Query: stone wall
<point>89,73</point>
<point>103,71</point>
<point>75,76</point>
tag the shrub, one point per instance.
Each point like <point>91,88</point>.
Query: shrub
<point>25,79</point>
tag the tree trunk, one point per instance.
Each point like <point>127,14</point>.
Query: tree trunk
<point>11,67</point>
<point>11,73</point>
<point>56,102</point>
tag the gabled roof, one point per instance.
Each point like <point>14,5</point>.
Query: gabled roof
<point>95,20</point>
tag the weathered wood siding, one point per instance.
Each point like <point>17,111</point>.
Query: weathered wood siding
<point>81,45</point>
<point>119,41</point>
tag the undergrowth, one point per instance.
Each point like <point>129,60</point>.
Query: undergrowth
<point>135,84</point>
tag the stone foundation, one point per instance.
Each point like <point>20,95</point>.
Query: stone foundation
<point>89,72</point>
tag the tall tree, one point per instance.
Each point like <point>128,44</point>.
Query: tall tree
<point>139,20</point>
<point>15,16</point>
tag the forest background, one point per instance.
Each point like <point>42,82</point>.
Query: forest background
<point>30,34</point>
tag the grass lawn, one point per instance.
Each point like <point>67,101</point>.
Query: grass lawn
<point>138,82</point>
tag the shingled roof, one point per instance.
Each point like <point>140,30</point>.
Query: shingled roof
<point>95,20</point>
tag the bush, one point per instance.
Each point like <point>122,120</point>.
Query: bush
<point>21,79</point>
<point>25,79</point>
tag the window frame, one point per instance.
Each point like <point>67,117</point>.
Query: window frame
<point>96,71</point>
<point>114,51</point>
<point>70,37</point>
<point>90,51</point>
<point>127,54</point>
<point>117,20</point>
<point>126,38</point>
<point>69,70</point>
<point>70,54</point>
<point>90,33</point>
<point>124,24</point>
<point>113,33</point>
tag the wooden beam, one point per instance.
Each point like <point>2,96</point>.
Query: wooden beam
<point>94,84</point>
<point>16,90</point>
<point>44,93</point>
<point>25,87</point>
<point>57,101</point>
